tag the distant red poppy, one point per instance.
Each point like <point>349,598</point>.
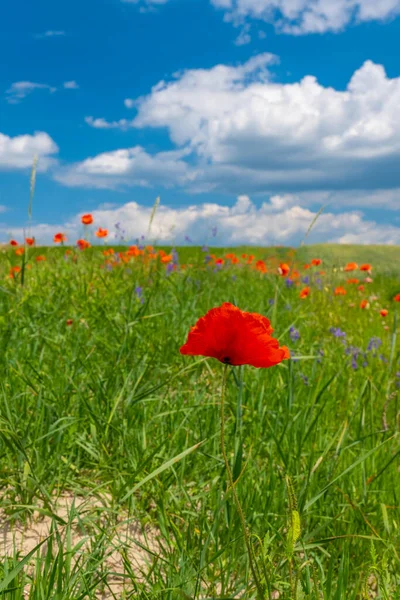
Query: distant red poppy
<point>340,291</point>
<point>316,262</point>
<point>397,298</point>
<point>40,258</point>
<point>351,266</point>
<point>235,338</point>
<point>307,266</point>
<point>101,233</point>
<point>364,304</point>
<point>83,244</point>
<point>261,266</point>
<point>19,251</point>
<point>361,288</point>
<point>384,312</point>
<point>167,258</point>
<point>69,322</point>
<point>13,243</point>
<point>219,261</point>
<point>59,238</point>
<point>30,241</point>
<point>305,292</point>
<point>283,269</point>
<point>87,219</point>
<point>366,267</point>
<point>353,280</point>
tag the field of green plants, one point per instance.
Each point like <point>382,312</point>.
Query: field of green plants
<point>113,480</point>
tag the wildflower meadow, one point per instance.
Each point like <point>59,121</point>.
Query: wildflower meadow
<point>198,422</point>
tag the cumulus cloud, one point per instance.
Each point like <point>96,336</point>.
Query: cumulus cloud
<point>309,16</point>
<point>299,17</point>
<point>279,221</point>
<point>130,166</point>
<point>18,152</point>
<point>244,131</point>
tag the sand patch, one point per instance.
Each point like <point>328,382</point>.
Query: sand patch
<point>85,525</point>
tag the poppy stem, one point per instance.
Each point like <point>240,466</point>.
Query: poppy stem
<point>260,592</point>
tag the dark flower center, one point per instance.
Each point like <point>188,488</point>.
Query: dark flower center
<point>226,360</point>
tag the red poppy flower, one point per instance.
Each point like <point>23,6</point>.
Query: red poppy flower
<point>364,304</point>
<point>352,266</point>
<point>353,280</point>
<point>307,266</point>
<point>235,337</point>
<point>59,238</point>
<point>261,266</point>
<point>316,262</point>
<point>69,322</point>
<point>30,241</point>
<point>305,292</point>
<point>283,269</point>
<point>366,267</point>
<point>361,288</point>
<point>340,291</point>
<point>13,243</point>
<point>219,261</point>
<point>40,258</point>
<point>101,233</point>
<point>166,259</point>
<point>19,251</point>
<point>87,219</point>
<point>397,298</point>
<point>384,312</point>
<point>83,244</point>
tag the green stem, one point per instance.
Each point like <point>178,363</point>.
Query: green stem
<point>239,509</point>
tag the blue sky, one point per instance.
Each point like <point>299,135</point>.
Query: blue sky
<point>248,115</point>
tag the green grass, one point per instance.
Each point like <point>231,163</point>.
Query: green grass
<point>100,409</point>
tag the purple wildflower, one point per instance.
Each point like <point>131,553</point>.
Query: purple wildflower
<point>374,344</point>
<point>294,334</point>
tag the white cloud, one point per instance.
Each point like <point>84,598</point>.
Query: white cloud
<point>244,36</point>
<point>18,152</point>
<point>20,89</point>
<point>280,221</point>
<point>70,85</point>
<point>130,166</point>
<point>309,16</point>
<point>236,129</point>
<point>103,124</point>
<point>129,103</point>
<point>51,33</point>
<point>251,133</point>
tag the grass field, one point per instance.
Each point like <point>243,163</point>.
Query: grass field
<point>113,484</point>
